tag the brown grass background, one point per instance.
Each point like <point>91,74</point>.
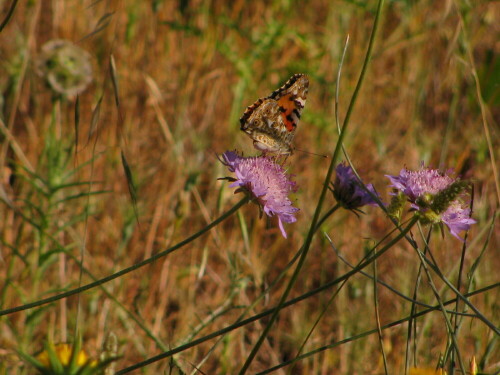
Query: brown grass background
<point>186,71</point>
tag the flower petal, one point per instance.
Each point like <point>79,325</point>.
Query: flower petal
<point>267,183</point>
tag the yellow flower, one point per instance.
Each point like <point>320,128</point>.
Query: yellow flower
<point>63,352</point>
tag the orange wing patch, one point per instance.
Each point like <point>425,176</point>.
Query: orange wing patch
<point>287,107</point>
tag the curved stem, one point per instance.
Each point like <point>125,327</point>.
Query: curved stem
<point>367,333</point>
<point>8,15</point>
<point>307,242</point>
<point>364,263</point>
<point>131,268</point>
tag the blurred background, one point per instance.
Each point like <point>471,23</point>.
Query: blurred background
<point>164,83</point>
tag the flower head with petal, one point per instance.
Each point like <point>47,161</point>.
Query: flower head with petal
<point>415,184</point>
<point>457,219</point>
<point>266,182</point>
<point>348,191</point>
<point>435,196</point>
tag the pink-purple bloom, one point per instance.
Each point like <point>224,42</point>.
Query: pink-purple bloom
<point>436,197</point>
<point>348,191</point>
<point>415,184</point>
<point>266,182</point>
<point>457,219</point>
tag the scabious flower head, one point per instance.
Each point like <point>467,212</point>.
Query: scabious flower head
<point>435,196</point>
<point>419,186</point>
<point>347,189</point>
<point>266,182</point>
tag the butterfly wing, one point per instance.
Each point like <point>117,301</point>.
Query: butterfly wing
<point>291,98</point>
<point>266,127</point>
<point>271,122</point>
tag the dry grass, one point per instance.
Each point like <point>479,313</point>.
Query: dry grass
<point>185,75</point>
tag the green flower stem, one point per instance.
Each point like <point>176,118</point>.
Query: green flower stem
<point>345,277</point>
<point>294,301</point>
<point>373,331</point>
<point>128,269</point>
<point>307,243</point>
<point>112,297</point>
<point>326,216</point>
<point>449,328</point>
<point>460,296</point>
<point>282,274</point>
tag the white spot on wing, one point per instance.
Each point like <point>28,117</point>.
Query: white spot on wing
<point>301,101</point>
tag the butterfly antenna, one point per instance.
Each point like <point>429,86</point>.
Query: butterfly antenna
<point>312,153</point>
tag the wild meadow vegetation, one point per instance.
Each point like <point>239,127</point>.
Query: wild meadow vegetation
<point>120,237</point>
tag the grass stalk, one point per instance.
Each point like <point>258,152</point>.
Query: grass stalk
<point>307,242</point>
<point>132,268</point>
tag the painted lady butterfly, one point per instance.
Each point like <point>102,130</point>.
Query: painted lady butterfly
<point>271,121</point>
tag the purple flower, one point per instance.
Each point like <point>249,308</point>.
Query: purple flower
<point>347,189</point>
<point>415,184</point>
<point>457,219</point>
<point>436,197</point>
<point>266,182</point>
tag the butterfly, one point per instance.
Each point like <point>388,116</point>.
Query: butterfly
<point>271,121</point>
